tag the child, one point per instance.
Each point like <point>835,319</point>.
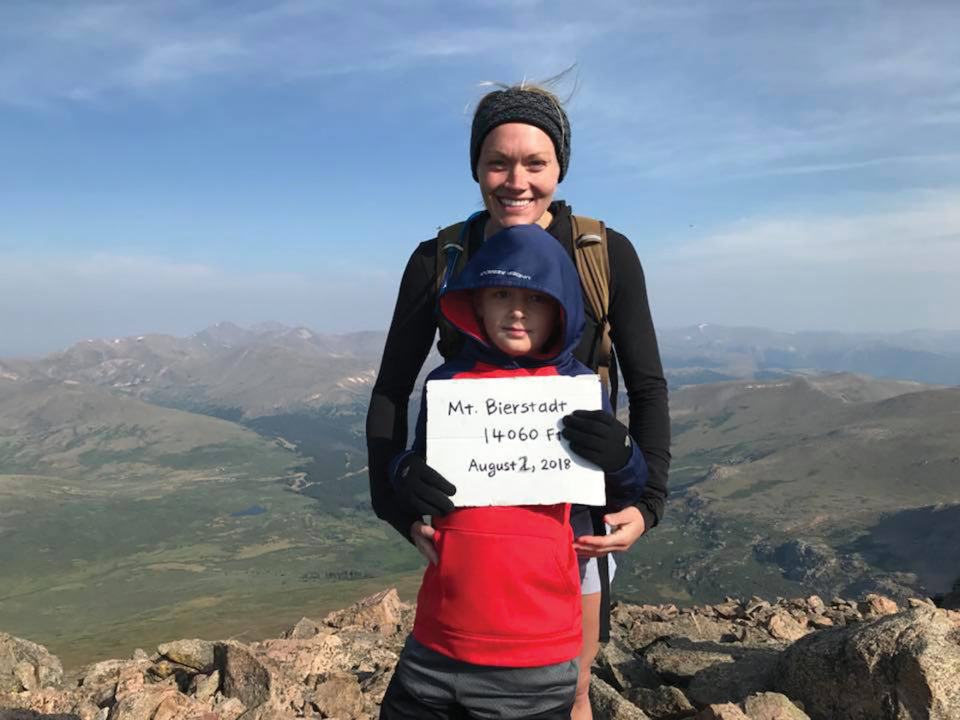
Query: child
<point>497,631</point>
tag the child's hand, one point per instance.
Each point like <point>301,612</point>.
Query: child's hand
<point>422,536</point>
<point>424,489</point>
<point>597,436</point>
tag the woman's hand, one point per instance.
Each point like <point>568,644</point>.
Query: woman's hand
<point>422,536</point>
<point>627,524</point>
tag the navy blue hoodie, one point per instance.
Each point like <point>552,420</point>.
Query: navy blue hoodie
<point>507,589</point>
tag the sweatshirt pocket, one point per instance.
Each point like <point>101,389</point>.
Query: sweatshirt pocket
<point>507,585</point>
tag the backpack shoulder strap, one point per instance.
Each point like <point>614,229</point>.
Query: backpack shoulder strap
<point>448,238</point>
<point>593,264</point>
<point>449,241</point>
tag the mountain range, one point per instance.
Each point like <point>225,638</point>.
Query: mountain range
<point>272,368</point>
<point>227,469</point>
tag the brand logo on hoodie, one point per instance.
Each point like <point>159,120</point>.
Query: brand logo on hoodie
<point>509,273</point>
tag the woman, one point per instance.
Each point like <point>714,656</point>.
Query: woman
<point>519,153</point>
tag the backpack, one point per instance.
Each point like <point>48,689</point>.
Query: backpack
<point>593,265</point>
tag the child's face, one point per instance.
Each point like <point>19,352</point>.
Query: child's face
<point>517,321</point>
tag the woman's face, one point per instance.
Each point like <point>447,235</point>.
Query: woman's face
<point>518,172</point>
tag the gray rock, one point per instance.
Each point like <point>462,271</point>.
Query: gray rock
<point>303,630</point>
<point>873,606</point>
<point>338,696</point>
<point>662,703</point>
<point>900,667</point>
<point>623,669</point>
<point>204,687</point>
<point>689,626</point>
<point>751,672</point>
<point>678,659</point>
<point>608,704</point>
<point>772,706</point>
<point>197,654</point>
<point>244,677</point>
<point>381,613</point>
<point>99,681</point>
<point>27,666</point>
<point>154,703</point>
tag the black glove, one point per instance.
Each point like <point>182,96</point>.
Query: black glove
<point>423,488</point>
<point>598,437</point>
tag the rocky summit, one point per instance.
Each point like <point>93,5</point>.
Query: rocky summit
<point>742,658</point>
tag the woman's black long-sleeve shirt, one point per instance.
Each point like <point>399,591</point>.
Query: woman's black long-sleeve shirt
<point>414,326</point>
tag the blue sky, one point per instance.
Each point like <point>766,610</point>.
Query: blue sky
<point>165,165</point>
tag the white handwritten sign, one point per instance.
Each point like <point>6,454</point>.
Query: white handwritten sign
<point>499,440</point>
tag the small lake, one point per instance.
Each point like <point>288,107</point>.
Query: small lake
<point>252,510</point>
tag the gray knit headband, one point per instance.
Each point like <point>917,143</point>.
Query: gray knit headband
<point>522,106</point>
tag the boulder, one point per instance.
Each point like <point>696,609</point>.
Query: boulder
<point>302,658</point>
<point>303,630</point>
<point>662,703</point>
<point>98,681</point>
<point>27,666</point>
<point>873,606</point>
<point>196,654</point>
<point>204,687</point>
<point>608,704</point>
<point>47,703</point>
<point>903,667</point>
<point>338,696</point>
<point>772,706</point>
<point>156,703</point>
<point>690,626</point>
<point>677,660</point>
<point>244,677</point>
<point>622,669</point>
<point>750,672</point>
<point>783,626</point>
<point>381,613</point>
<point>232,709</point>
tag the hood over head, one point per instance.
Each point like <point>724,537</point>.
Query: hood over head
<point>521,256</point>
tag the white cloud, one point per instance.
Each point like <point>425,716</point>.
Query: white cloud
<point>891,269</point>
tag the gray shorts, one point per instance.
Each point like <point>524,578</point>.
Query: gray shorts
<point>429,685</point>
<point>590,574</point>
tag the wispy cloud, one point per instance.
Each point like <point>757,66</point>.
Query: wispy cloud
<point>91,49</point>
<point>762,87</point>
<point>877,270</point>
<point>672,89</point>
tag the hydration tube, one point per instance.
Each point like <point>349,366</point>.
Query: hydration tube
<point>454,250</point>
